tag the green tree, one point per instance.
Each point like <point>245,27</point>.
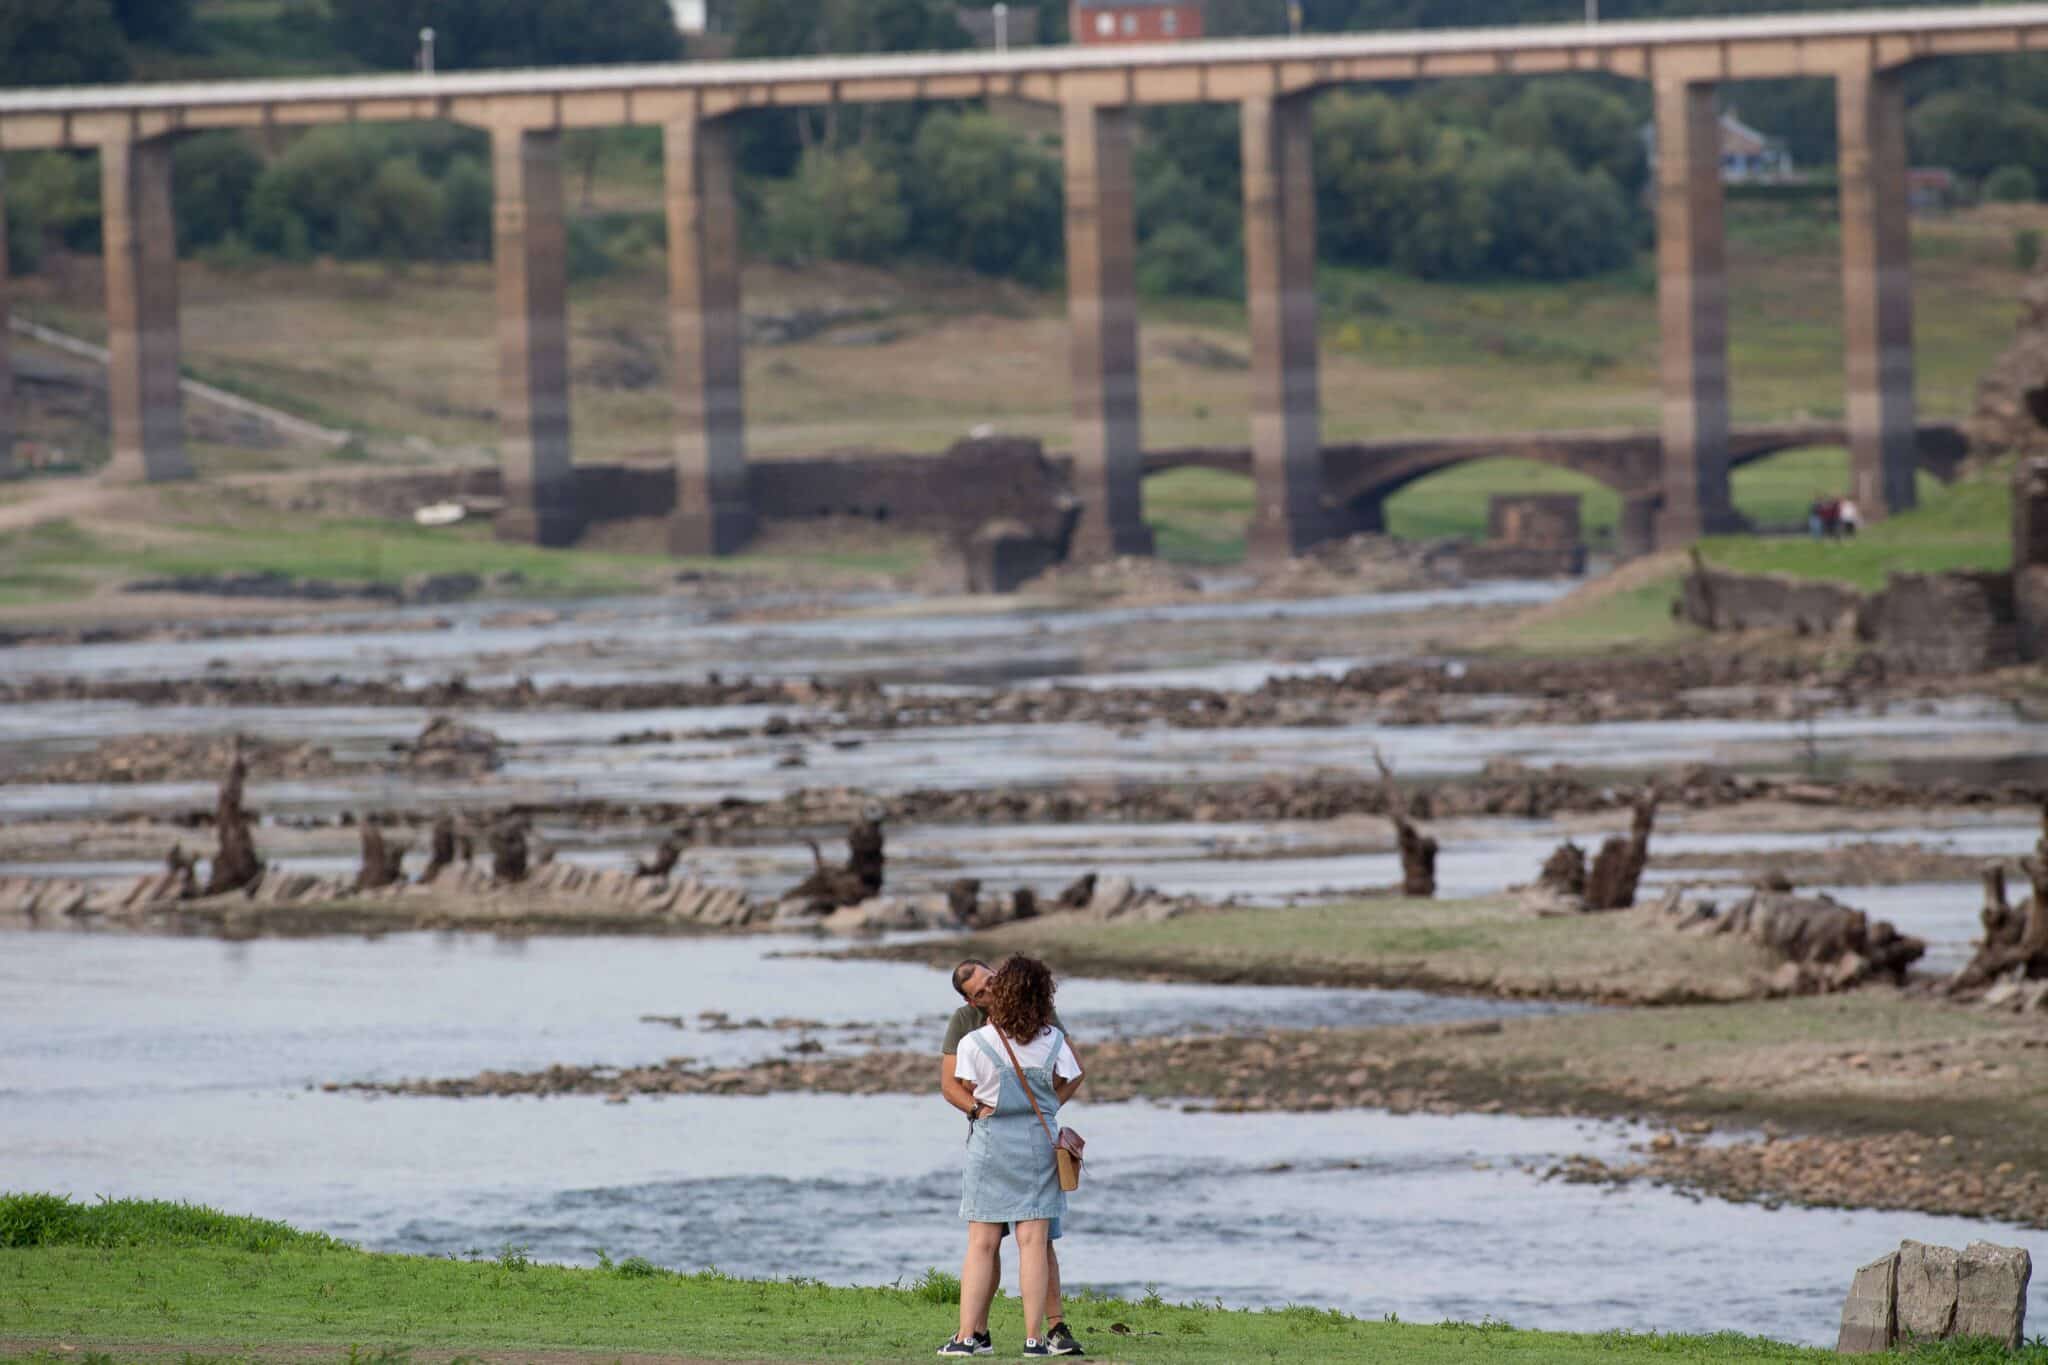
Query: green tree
<point>1594,129</point>
<point>401,214</point>
<point>154,21</point>
<point>60,42</point>
<point>1179,260</point>
<point>470,34</point>
<point>1974,132</point>
<point>466,198</point>
<point>1547,221</point>
<point>838,206</point>
<point>987,197</point>
<point>212,180</point>
<point>2011,185</point>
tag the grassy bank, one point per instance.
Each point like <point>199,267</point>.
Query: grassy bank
<point>1963,526</point>
<point>1486,944</point>
<point>134,1280</point>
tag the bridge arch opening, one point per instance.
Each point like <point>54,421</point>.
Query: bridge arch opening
<point>1774,491</point>
<point>1452,500</point>
<point>1199,515</point>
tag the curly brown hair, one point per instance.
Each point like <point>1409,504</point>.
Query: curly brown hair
<point>1020,997</point>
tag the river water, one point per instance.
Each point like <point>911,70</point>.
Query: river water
<point>185,1069</point>
<point>191,1069</point>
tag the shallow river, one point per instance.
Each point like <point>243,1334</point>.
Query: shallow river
<point>182,1068</point>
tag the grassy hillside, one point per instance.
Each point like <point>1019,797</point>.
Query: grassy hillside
<point>130,1281</point>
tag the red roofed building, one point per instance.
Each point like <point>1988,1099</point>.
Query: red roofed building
<point>1135,21</point>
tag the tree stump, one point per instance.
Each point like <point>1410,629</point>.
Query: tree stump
<point>1618,867</point>
<point>508,852</point>
<point>383,863</point>
<point>440,849</point>
<point>1564,871</point>
<point>665,858</point>
<point>235,863</point>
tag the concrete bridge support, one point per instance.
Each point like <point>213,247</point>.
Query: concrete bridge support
<point>712,515</point>
<point>531,252</point>
<point>1102,315</point>
<point>1877,288</point>
<point>141,249</point>
<point>1692,309</point>
<point>1280,290</point>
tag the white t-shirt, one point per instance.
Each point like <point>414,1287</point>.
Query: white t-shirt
<point>985,1074</point>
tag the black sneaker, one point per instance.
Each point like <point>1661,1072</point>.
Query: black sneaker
<point>976,1345</point>
<point>1034,1346</point>
<point>1062,1341</point>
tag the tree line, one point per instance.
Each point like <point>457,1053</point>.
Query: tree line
<point>1517,178</point>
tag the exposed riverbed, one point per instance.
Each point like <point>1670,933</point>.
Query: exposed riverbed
<point>191,1068</point>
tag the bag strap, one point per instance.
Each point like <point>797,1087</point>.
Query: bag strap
<point>1027,1087</point>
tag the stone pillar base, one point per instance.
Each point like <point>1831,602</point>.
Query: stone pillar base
<point>720,529</point>
<point>554,524</point>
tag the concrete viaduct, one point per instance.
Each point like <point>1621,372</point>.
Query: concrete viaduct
<point>1274,82</point>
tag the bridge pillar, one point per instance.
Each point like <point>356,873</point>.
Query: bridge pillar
<point>140,245</point>
<point>1102,315</point>
<point>712,515</point>
<point>7,469</point>
<point>1636,533</point>
<point>1877,289</point>
<point>1280,290</point>
<point>530,249</point>
<point>1692,310</point>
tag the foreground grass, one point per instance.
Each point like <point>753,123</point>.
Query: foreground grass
<point>131,1278</point>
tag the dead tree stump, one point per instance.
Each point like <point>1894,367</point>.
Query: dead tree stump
<point>383,863</point>
<point>1618,867</point>
<point>832,888</point>
<point>440,849</point>
<point>508,852</point>
<point>2015,938</point>
<point>235,864</point>
<point>1564,871</point>
<point>1418,850</point>
<point>186,868</point>
<point>665,858</point>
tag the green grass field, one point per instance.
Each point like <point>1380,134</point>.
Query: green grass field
<point>132,1281</point>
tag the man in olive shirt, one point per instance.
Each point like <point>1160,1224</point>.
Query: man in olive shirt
<point>978,1282</point>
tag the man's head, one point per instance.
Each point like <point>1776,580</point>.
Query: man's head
<point>971,978</point>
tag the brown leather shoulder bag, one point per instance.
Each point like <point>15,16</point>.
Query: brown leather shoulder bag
<point>1066,1148</point>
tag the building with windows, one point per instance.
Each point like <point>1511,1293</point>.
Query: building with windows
<point>1135,21</point>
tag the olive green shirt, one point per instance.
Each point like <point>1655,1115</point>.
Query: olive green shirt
<point>966,1020</point>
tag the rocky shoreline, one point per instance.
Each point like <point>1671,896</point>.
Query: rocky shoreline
<point>1740,1153</point>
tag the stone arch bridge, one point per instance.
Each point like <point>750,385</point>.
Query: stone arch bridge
<point>1359,478</point>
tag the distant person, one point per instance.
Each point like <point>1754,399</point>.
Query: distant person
<point>1849,516</point>
<point>1012,1178</point>
<point>1830,517</point>
<point>1813,522</point>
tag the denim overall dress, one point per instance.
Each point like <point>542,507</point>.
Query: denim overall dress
<point>1011,1176</point>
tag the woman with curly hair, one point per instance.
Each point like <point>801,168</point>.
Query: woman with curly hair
<point>1012,1176</point>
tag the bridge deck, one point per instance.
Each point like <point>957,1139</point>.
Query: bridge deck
<point>1751,47</point>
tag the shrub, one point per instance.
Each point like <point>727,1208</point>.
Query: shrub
<point>936,1286</point>
<point>1178,260</point>
<point>2026,248</point>
<point>2011,184</point>
<point>986,197</point>
<point>838,206</point>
